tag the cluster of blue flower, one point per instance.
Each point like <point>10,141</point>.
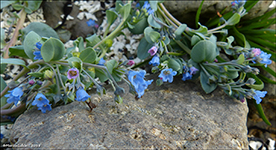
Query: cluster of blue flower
<point>147,7</point>
<point>261,57</point>
<point>137,80</point>
<point>42,103</point>
<point>92,23</point>
<point>37,53</point>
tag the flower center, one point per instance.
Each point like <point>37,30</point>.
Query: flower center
<point>73,73</point>
<point>167,72</point>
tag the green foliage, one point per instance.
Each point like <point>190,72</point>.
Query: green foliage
<point>88,55</point>
<point>142,50</point>
<point>3,85</point>
<point>204,78</point>
<point>52,49</point>
<point>203,51</point>
<point>2,36</point>
<point>111,16</point>
<point>29,43</point>
<point>150,35</point>
<point>13,61</point>
<point>42,29</point>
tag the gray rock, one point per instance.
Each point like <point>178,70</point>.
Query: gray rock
<point>174,116</point>
<point>185,11</point>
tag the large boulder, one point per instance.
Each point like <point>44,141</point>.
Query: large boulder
<point>185,11</point>
<point>173,116</point>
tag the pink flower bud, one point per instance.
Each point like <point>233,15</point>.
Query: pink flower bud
<point>31,82</point>
<point>256,52</point>
<point>153,50</point>
<point>130,63</point>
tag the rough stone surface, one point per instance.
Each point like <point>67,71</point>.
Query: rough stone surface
<point>174,116</point>
<point>185,11</point>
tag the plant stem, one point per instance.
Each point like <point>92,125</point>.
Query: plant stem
<point>22,15</point>
<point>110,36</point>
<point>61,80</point>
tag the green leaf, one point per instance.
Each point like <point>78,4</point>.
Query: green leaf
<point>111,64</point>
<point>111,16</point>
<point>2,87</point>
<point>100,74</point>
<point>17,6</point>
<point>230,39</point>
<point>198,14</point>
<point>153,23</point>
<point>195,39</point>
<point>178,32</point>
<point>234,19</point>
<point>203,51</point>
<point>153,4</point>
<point>140,26</point>
<point>202,29</point>
<point>174,64</point>
<point>262,42</point>
<point>143,47</point>
<point>36,74</point>
<point>208,88</point>
<point>18,51</point>
<point>125,11</point>
<point>75,62</point>
<point>34,5</point>
<point>151,35</point>
<point>92,40</point>
<point>13,61</point>
<point>79,43</point>
<point>52,49</point>
<point>240,38</point>
<point>269,70</point>
<point>240,59</point>
<point>258,85</point>
<point>261,113</point>
<point>2,43</point>
<point>6,3</point>
<point>41,29</point>
<point>88,55</point>
<point>29,43</point>
<point>2,67</point>
<point>266,79</point>
<point>27,10</point>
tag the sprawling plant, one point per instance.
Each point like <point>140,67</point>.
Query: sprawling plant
<point>58,76</point>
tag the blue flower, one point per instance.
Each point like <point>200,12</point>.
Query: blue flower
<point>37,55</point>
<point>137,80</point>
<point>155,61</point>
<point>186,76</point>
<point>45,107</point>
<point>81,95</point>
<point>92,23</point>
<point>14,95</point>
<point>188,73</point>
<point>40,100</point>
<point>38,45</point>
<point>265,58</point>
<point>137,5</point>
<point>146,5</point>
<point>150,11</point>
<point>101,62</point>
<point>258,94</point>
<point>167,75</point>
